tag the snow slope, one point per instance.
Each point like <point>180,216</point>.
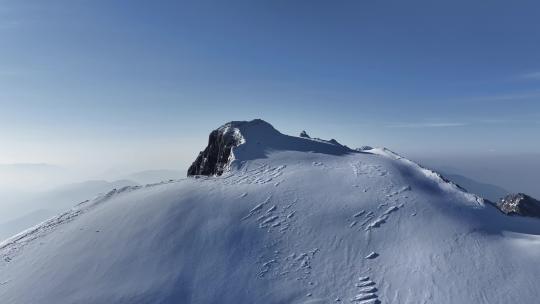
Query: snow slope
<point>295,220</point>
<point>32,208</point>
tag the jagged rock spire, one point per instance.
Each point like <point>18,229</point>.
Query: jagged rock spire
<point>304,134</point>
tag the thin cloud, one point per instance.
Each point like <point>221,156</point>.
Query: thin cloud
<point>522,120</point>
<point>506,97</point>
<point>533,75</point>
<point>429,125</point>
<point>9,24</point>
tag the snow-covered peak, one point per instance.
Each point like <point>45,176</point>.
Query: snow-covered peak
<point>238,141</point>
<point>260,133</point>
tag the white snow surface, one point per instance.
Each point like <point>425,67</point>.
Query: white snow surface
<point>291,222</point>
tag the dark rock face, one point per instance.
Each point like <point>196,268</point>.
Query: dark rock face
<point>519,204</point>
<point>214,159</point>
<point>304,134</point>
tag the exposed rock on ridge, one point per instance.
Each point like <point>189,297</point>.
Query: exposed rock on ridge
<point>519,204</point>
<point>304,134</point>
<point>216,156</point>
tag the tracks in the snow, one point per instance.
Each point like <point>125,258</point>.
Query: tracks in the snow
<point>366,291</point>
<point>261,174</point>
<point>276,217</point>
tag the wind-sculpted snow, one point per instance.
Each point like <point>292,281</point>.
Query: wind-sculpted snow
<point>290,226</point>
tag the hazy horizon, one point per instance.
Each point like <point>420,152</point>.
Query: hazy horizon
<point>514,172</point>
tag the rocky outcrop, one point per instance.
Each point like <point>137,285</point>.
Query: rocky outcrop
<point>217,155</point>
<point>304,134</point>
<point>519,204</point>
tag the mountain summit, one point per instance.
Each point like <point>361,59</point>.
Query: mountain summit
<point>273,218</point>
<point>251,140</point>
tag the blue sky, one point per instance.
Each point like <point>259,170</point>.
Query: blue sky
<point>140,84</point>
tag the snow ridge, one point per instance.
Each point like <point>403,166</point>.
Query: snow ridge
<point>443,183</point>
<point>13,245</point>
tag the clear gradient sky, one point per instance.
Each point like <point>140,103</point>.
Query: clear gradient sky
<point>139,84</point>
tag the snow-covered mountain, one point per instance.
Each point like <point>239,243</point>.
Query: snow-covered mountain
<point>289,220</point>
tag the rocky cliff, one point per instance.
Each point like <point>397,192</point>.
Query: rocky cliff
<point>519,204</point>
<point>215,157</point>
